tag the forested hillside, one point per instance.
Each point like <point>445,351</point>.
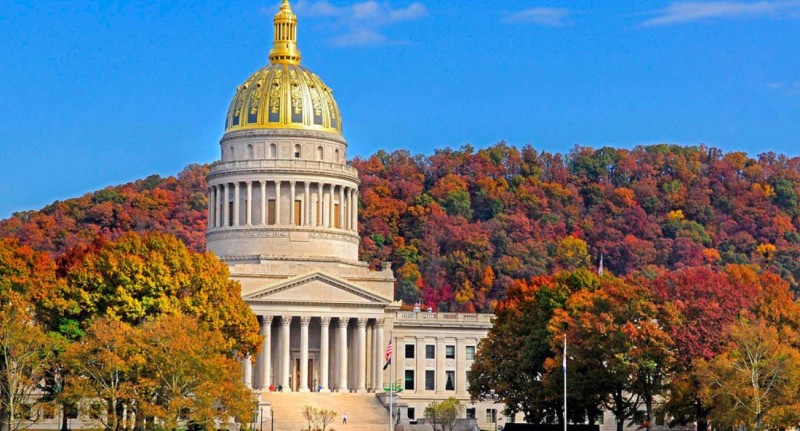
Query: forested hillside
<point>461,225</point>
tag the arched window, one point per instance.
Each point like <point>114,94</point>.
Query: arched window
<point>231,153</point>
<point>273,151</point>
<point>319,153</point>
<point>297,151</point>
<point>250,154</point>
<point>336,153</point>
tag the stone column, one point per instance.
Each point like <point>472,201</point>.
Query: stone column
<point>217,200</point>
<point>277,202</point>
<point>369,357</point>
<point>249,207</point>
<point>355,210</point>
<point>343,354</point>
<point>263,202</point>
<point>304,322</point>
<point>461,366</point>
<point>266,351</point>
<point>291,203</point>
<point>324,324</point>
<point>225,205</point>
<point>307,205</point>
<point>318,215</point>
<point>380,349</point>
<point>210,221</point>
<point>341,207</point>
<point>286,322</point>
<point>361,359</point>
<point>350,209</point>
<point>247,371</point>
<point>236,203</point>
<point>419,374</point>
<point>441,346</point>
<point>329,212</point>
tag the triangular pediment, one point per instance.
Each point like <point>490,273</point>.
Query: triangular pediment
<point>316,287</point>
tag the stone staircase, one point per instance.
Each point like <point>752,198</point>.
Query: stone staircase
<point>364,411</point>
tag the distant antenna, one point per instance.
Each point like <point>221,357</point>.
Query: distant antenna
<point>600,269</point>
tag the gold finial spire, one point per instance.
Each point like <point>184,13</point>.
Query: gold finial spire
<point>284,48</point>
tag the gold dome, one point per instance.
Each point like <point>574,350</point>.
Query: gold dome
<point>283,94</point>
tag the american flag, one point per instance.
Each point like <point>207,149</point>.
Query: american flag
<point>388,355</point>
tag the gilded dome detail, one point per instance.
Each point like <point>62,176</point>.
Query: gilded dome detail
<point>284,94</point>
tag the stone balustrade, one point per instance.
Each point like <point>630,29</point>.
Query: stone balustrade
<point>283,166</point>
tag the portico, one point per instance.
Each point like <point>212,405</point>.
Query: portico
<point>314,346</point>
<point>318,353</point>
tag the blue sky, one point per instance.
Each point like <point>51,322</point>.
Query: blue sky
<point>101,93</point>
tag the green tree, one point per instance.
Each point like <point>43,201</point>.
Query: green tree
<point>444,414</point>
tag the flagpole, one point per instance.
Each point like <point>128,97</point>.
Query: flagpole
<point>565,382</point>
<point>391,384</point>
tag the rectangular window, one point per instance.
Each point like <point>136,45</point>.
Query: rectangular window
<point>411,413</point>
<point>298,213</point>
<point>430,351</point>
<point>409,351</point>
<point>430,380</point>
<point>319,214</point>
<point>471,413</point>
<point>336,215</point>
<point>450,380</point>
<point>470,353</point>
<point>491,415</point>
<point>450,352</point>
<point>271,211</point>
<point>409,381</point>
<point>230,214</point>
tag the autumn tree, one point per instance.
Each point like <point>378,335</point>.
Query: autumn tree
<point>444,414</point>
<point>173,369</point>
<point>518,361</point>
<point>615,334</point>
<point>754,383</point>
<point>318,417</point>
<point>137,277</point>
<point>511,359</point>
<point>25,355</point>
<point>189,375</point>
<point>706,303</point>
<point>105,366</point>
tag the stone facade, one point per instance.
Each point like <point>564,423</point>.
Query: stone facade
<point>283,213</point>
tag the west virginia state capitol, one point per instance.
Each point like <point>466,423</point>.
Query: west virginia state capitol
<point>283,214</point>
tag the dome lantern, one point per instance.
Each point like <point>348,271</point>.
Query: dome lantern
<point>284,46</point>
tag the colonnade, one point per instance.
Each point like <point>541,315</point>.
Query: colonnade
<point>348,355</point>
<point>329,205</point>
